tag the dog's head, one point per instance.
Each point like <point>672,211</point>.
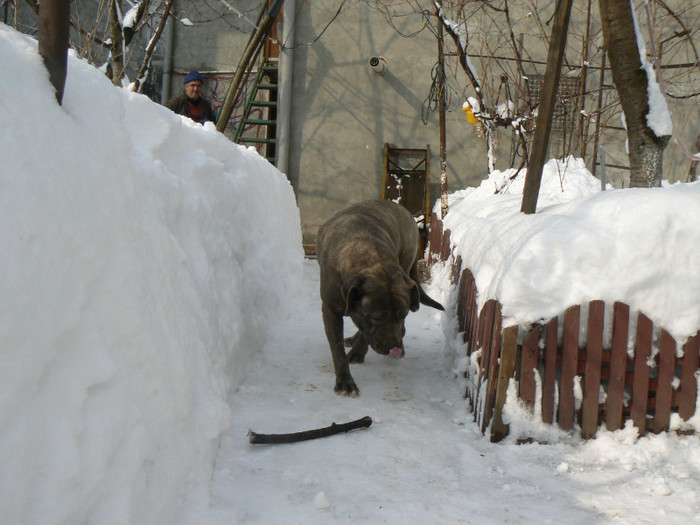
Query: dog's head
<point>378,305</point>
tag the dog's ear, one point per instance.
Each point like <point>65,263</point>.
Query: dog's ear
<point>352,291</point>
<point>415,297</point>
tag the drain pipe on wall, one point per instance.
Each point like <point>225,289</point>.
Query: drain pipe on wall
<point>284,107</point>
<point>168,59</point>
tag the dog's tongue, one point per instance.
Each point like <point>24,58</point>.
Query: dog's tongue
<point>396,352</point>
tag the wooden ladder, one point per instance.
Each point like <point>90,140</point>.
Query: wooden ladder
<point>258,124</point>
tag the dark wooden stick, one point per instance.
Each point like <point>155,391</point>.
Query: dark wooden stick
<point>267,439</point>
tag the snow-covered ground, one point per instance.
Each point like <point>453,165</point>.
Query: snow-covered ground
<point>155,305</point>
<point>423,460</point>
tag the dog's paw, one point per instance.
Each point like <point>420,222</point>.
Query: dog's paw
<point>346,387</point>
<point>352,341</point>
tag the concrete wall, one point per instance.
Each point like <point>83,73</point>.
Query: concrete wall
<point>343,112</point>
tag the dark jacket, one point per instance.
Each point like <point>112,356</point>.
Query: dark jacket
<point>179,105</point>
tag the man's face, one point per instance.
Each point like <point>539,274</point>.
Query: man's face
<point>193,89</point>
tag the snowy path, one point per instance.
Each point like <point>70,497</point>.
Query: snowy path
<point>423,459</point>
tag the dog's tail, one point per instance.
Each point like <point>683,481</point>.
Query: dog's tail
<point>429,301</point>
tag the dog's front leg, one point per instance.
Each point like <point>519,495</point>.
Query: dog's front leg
<point>358,347</point>
<point>333,323</point>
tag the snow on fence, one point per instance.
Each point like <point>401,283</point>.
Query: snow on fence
<point>645,388</point>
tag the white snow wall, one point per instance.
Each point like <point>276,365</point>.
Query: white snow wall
<point>143,261</point>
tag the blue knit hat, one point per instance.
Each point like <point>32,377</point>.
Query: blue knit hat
<point>192,76</point>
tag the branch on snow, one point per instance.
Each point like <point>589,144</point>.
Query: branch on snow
<point>270,439</point>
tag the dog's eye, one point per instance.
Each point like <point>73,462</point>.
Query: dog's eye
<point>379,317</point>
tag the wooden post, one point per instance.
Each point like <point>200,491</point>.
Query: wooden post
<point>687,395</point>
<point>550,370</point>
<point>509,352</point>
<point>599,111</point>
<point>594,361</point>
<point>545,111</point>
<point>441,112</point>
<point>529,363</point>
<point>385,168</point>
<point>569,363</point>
<point>494,344</point>
<point>618,367</point>
<point>640,384</point>
<point>664,388</point>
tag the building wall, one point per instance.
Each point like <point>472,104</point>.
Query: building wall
<point>343,112</point>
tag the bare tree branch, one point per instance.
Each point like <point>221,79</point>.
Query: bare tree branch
<point>136,85</point>
<point>269,439</point>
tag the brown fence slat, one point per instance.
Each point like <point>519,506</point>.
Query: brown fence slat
<point>550,371</point>
<point>494,354</point>
<point>445,246</point>
<point>456,270</point>
<point>481,327</point>
<point>473,318</point>
<point>569,362</point>
<point>529,363</point>
<point>687,394</point>
<point>466,307</point>
<point>431,237</point>
<point>664,389</point>
<point>435,238</point>
<point>485,324</point>
<point>618,367</point>
<point>488,314</point>
<point>509,352</point>
<point>484,342</point>
<point>468,328</point>
<point>462,296</point>
<point>594,362</point>
<point>640,384</point>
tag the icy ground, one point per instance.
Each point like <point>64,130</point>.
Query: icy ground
<point>423,460</point>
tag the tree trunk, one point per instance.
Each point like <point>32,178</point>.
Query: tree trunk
<point>117,48</point>
<point>693,170</point>
<point>545,111</point>
<point>54,29</point>
<point>646,149</point>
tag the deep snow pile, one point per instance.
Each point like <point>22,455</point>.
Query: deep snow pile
<point>638,246</point>
<point>140,266</point>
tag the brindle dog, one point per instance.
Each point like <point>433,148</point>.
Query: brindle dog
<point>367,254</point>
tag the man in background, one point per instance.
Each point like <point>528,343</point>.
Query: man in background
<point>191,103</point>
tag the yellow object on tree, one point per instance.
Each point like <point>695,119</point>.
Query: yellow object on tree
<point>471,119</point>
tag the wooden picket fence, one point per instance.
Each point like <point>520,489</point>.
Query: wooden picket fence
<point>645,389</point>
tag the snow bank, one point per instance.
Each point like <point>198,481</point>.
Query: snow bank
<point>638,246</point>
<point>143,260</point>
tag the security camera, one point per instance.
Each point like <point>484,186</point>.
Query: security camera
<point>378,65</point>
